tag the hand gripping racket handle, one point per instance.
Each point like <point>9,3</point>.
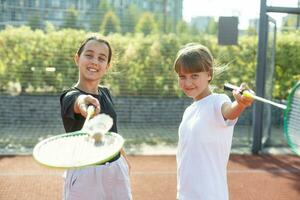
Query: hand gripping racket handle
<point>246,93</point>
<point>90,112</point>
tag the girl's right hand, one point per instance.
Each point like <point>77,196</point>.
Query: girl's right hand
<point>243,101</point>
<point>83,101</point>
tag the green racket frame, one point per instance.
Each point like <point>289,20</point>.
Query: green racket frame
<point>292,145</point>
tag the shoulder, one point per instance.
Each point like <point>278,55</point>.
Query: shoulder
<point>69,93</point>
<point>221,98</point>
<point>105,90</point>
<point>218,100</point>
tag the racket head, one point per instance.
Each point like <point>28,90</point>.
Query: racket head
<point>291,119</point>
<point>75,150</point>
<point>101,123</point>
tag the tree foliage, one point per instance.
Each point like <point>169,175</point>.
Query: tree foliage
<point>35,21</point>
<point>142,64</point>
<point>146,24</point>
<point>70,19</point>
<point>98,16</point>
<point>130,19</point>
<point>110,24</point>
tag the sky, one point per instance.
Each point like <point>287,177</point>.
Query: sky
<point>245,10</point>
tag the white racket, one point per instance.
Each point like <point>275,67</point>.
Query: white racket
<point>92,145</point>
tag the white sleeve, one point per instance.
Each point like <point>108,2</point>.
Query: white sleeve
<point>219,101</point>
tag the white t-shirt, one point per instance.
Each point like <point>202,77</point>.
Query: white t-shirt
<point>203,150</point>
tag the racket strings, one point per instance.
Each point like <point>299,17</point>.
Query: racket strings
<point>75,150</point>
<point>71,145</point>
<point>293,128</point>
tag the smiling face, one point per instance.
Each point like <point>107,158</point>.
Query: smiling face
<point>93,61</point>
<point>195,84</point>
<point>194,66</point>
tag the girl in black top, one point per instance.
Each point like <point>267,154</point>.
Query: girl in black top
<point>110,180</point>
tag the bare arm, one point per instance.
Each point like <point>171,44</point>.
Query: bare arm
<point>126,158</point>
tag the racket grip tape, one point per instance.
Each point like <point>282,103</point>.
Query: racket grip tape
<point>91,110</point>
<point>230,87</point>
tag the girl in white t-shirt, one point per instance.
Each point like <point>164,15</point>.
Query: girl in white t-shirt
<point>206,129</point>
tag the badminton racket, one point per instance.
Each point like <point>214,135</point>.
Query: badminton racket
<point>92,145</point>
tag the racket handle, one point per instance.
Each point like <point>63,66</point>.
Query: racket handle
<point>230,87</point>
<point>90,112</point>
<point>246,93</point>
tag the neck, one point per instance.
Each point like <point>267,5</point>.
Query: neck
<point>204,94</point>
<point>88,87</point>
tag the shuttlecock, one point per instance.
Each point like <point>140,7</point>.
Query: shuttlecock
<point>98,126</point>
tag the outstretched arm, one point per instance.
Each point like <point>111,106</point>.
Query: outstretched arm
<point>232,111</point>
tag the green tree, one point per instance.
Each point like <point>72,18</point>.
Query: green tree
<point>147,24</point>
<point>49,27</point>
<point>289,21</point>
<point>251,31</point>
<point>98,17</point>
<point>182,27</point>
<point>162,16</point>
<point>35,21</point>
<point>212,27</point>
<point>70,18</point>
<point>110,24</point>
<point>130,19</point>
<point>194,30</point>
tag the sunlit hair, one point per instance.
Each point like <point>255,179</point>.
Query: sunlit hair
<point>193,58</point>
<point>80,49</point>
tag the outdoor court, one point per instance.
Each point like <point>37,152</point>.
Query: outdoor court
<point>265,177</point>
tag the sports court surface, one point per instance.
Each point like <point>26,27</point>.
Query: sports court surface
<point>264,177</point>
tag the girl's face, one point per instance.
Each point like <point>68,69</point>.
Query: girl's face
<point>93,61</point>
<point>194,85</point>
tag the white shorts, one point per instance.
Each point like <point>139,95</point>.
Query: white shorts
<point>101,182</point>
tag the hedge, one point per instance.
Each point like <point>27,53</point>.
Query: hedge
<point>142,65</point>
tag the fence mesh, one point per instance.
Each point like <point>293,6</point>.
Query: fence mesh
<point>37,65</point>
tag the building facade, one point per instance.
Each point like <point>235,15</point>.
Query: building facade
<point>19,12</point>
